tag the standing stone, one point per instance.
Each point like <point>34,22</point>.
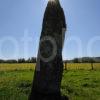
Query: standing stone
<point>49,68</point>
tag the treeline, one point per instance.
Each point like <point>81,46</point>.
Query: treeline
<point>21,60</point>
<point>84,60</point>
<point>75,60</point>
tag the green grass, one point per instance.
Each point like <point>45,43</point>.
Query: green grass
<point>81,85</point>
<point>77,84</point>
<point>15,85</point>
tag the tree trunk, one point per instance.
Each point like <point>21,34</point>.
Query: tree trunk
<point>49,67</point>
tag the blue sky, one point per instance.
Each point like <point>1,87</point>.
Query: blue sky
<point>21,23</point>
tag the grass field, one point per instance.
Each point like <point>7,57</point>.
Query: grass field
<point>79,82</point>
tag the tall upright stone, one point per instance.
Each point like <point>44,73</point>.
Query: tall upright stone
<point>49,67</point>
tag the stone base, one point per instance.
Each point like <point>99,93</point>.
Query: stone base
<point>41,96</point>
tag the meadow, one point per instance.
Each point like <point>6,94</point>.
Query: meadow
<point>79,81</point>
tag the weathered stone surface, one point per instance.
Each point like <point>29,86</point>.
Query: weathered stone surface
<point>49,68</point>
